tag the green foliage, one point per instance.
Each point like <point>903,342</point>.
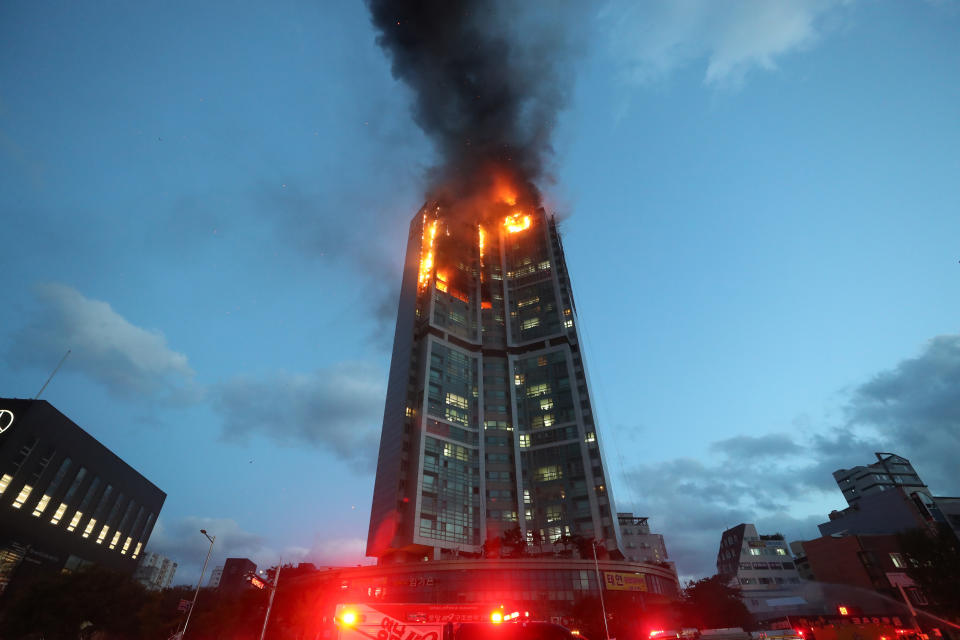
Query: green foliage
<point>934,564</point>
<point>711,603</point>
<point>59,606</point>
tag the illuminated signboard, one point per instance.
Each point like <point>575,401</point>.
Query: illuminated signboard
<point>618,581</point>
<point>6,419</point>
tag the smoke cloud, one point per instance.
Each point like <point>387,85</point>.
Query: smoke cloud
<point>486,87</point>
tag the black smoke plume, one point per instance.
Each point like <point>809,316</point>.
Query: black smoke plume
<point>486,86</point>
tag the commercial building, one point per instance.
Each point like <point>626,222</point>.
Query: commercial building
<point>66,501</point>
<point>763,569</point>
<point>488,423</point>
<point>155,571</point>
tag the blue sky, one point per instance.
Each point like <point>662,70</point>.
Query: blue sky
<point>760,202</point>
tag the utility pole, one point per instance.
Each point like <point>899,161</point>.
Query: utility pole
<point>273,592</point>
<point>603,608</point>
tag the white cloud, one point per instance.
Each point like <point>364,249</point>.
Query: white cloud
<point>126,359</point>
<point>734,37</point>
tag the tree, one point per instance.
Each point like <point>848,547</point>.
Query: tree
<point>934,564</point>
<point>491,547</point>
<point>60,605</point>
<point>711,603</point>
<point>513,539</point>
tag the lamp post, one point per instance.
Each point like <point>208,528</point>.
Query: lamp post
<point>603,608</point>
<point>199,582</point>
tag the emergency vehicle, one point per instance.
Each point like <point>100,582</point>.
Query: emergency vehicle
<point>441,622</point>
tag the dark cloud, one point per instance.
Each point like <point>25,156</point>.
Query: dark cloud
<point>486,80</point>
<point>916,409</point>
<point>912,409</point>
<point>127,360</point>
<point>750,446</point>
<point>338,409</point>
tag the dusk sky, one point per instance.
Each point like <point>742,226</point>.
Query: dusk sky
<point>760,203</point>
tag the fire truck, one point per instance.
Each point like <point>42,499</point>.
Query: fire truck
<point>442,622</point>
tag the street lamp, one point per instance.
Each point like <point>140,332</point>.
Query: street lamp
<point>199,582</point>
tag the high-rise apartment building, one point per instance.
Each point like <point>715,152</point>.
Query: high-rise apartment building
<point>488,423</point>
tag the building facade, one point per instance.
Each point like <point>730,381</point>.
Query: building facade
<point>488,425</point>
<point>764,570</point>
<point>888,472</point>
<point>236,574</point>
<point>66,501</point>
<point>155,571</point>
<point>639,544</point>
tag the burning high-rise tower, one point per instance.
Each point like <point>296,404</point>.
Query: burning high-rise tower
<point>489,424</point>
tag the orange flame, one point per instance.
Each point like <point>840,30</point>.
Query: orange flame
<point>426,251</point>
<point>516,222</point>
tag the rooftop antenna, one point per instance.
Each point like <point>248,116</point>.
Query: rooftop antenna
<point>52,374</point>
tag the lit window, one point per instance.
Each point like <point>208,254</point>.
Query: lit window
<point>22,497</point>
<point>546,404</point>
<point>554,514</point>
<point>74,521</point>
<point>41,506</point>
<point>530,323</point>
<point>568,324</point>
<point>526,497</point>
<point>518,379</point>
<point>590,437</point>
<point>897,560</point>
<point>126,546</point>
<point>89,528</point>
<point>457,401</point>
<point>59,513</point>
<point>524,440</point>
<point>136,551</point>
<point>114,540</point>
<point>548,420</point>
<point>103,533</point>
<point>781,552</point>
<point>528,302</point>
<point>409,412</point>
<point>544,266</point>
<point>538,390</point>
<point>549,472</point>
<point>754,552</point>
<point>5,482</point>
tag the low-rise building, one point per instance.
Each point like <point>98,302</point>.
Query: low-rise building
<point>762,567</point>
<point>639,545</point>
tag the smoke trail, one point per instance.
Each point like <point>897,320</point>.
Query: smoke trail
<point>486,86</point>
